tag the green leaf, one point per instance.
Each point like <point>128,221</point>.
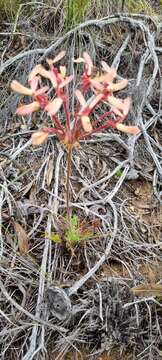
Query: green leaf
<point>72,234</point>
<point>119,173</point>
<point>53,237</point>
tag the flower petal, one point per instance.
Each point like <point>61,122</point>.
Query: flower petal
<point>115,102</point>
<point>86,123</point>
<point>128,129</point>
<point>107,68</point>
<point>17,87</point>
<point>28,109</point>
<point>88,62</point>
<point>34,72</point>
<point>108,78</point>
<point>41,91</point>
<point>126,105</point>
<point>39,69</point>
<point>120,104</point>
<point>39,138</point>
<point>97,85</point>
<point>78,60</point>
<point>66,81</point>
<point>118,86</point>
<point>116,111</point>
<point>54,106</point>
<point>80,98</point>
<point>34,83</point>
<point>111,73</point>
<point>53,78</point>
<point>63,71</point>
<point>57,58</point>
<point>95,101</point>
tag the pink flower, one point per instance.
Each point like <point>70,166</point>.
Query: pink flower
<point>101,88</point>
<point>32,91</point>
<point>58,79</point>
<point>40,70</point>
<point>38,95</point>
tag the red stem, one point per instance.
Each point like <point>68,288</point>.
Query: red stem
<point>109,123</point>
<point>69,160</point>
<point>67,112</point>
<point>57,123</point>
<point>100,118</point>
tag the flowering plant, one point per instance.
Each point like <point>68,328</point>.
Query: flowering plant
<point>94,89</point>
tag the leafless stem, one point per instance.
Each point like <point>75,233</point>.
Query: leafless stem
<point>69,159</point>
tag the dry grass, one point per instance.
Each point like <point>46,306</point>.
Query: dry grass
<point>105,314</point>
<point>76,11</point>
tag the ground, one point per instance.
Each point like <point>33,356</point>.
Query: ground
<point>116,187</point>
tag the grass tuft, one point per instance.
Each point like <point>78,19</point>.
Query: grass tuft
<point>140,6</point>
<point>9,8</point>
<point>75,11</point>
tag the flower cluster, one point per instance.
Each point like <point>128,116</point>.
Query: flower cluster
<point>55,99</point>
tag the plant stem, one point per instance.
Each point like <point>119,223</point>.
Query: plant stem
<point>69,159</point>
<point>57,123</point>
<point>67,113</point>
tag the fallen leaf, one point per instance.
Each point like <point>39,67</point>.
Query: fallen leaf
<point>32,194</point>
<point>22,237</point>
<point>27,188</point>
<point>147,290</point>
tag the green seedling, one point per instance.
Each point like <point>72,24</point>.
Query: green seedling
<point>119,173</point>
<point>73,232</point>
<point>76,232</point>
